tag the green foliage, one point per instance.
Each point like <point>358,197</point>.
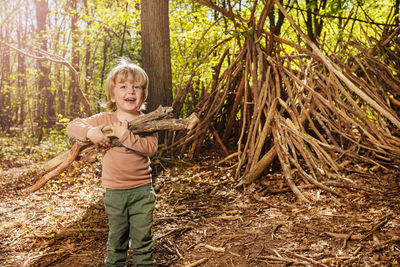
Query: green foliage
<point>190,50</point>
<point>107,29</point>
<point>21,145</point>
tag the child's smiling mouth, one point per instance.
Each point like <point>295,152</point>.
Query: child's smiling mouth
<point>130,100</point>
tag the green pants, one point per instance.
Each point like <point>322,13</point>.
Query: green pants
<point>130,217</point>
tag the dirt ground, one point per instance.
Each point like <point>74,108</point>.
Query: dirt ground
<point>201,219</point>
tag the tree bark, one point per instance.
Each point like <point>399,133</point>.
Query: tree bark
<point>5,95</point>
<point>156,58</point>
<point>121,51</point>
<point>103,70</point>
<point>74,103</point>
<point>42,9</point>
<point>21,80</point>
<point>21,87</point>
<point>60,93</point>
<point>314,25</point>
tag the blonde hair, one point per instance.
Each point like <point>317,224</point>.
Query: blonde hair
<point>122,70</point>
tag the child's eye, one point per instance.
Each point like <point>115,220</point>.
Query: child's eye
<point>123,87</point>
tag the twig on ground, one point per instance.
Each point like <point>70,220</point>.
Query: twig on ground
<point>216,249</point>
<point>344,236</point>
<point>196,263</point>
<point>376,226</point>
<point>174,230</point>
<point>284,259</point>
<point>317,263</point>
<point>346,240</point>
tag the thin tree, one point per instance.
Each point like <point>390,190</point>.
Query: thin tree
<point>42,9</point>
<point>74,104</point>
<point>5,94</point>
<point>313,23</point>
<point>20,109</point>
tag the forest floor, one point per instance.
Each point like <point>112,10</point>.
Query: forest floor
<point>201,219</point>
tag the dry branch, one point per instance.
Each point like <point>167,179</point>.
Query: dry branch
<point>196,263</point>
<point>307,259</point>
<point>319,109</point>
<point>336,70</point>
<point>307,111</point>
<point>344,236</point>
<point>154,121</point>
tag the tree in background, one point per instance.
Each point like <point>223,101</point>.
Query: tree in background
<point>5,83</point>
<point>73,9</point>
<point>156,58</point>
<point>314,21</point>
<point>45,109</point>
<point>20,107</point>
<point>92,34</point>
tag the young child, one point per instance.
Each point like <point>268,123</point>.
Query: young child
<point>129,197</point>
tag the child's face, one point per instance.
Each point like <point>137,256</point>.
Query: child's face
<point>128,95</point>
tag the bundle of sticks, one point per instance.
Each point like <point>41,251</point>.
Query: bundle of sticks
<point>158,120</point>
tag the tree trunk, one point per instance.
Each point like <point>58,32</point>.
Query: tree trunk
<point>276,25</point>
<point>88,49</point>
<point>88,71</point>
<point>156,58</point>
<point>42,9</point>
<point>5,101</point>
<point>309,21</point>
<point>60,93</point>
<point>313,22</point>
<point>74,104</point>
<point>21,89</point>
<point>121,51</point>
<point>103,72</point>
<point>20,110</point>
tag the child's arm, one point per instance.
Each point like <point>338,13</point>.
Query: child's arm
<point>97,137</point>
<point>88,129</point>
<point>146,145</point>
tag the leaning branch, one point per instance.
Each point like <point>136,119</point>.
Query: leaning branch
<point>336,70</point>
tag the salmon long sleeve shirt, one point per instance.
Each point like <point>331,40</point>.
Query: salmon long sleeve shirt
<point>123,167</point>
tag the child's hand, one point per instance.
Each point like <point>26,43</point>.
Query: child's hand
<point>97,137</point>
<point>118,129</point>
